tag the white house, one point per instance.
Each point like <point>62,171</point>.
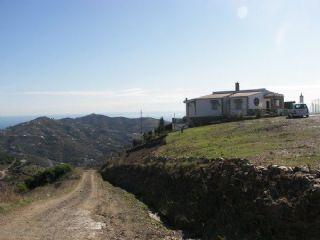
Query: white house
<point>235,103</point>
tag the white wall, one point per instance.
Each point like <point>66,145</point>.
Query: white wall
<point>262,103</point>
<point>234,111</point>
<point>203,108</point>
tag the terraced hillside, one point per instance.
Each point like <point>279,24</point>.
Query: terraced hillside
<point>279,141</point>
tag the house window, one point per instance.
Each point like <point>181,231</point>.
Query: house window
<point>215,104</point>
<point>256,102</point>
<point>238,104</point>
<point>277,103</point>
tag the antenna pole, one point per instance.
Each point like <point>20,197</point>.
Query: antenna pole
<point>141,122</point>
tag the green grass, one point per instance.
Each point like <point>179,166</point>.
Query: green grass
<point>7,207</point>
<point>280,141</point>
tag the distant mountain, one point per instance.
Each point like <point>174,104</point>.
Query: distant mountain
<point>7,121</point>
<point>81,141</point>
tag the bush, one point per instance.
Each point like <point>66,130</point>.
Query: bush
<point>258,114</point>
<point>5,158</point>
<point>21,187</point>
<point>49,175</point>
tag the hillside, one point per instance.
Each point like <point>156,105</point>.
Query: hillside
<point>192,188</point>
<point>279,141</point>
<point>81,141</point>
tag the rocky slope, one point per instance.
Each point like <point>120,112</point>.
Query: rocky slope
<point>86,140</point>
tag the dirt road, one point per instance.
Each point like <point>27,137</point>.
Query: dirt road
<point>93,210</point>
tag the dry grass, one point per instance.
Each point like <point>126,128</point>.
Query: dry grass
<point>9,199</point>
<point>280,141</point>
<point>7,194</point>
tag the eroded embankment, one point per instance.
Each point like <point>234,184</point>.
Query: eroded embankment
<point>229,198</point>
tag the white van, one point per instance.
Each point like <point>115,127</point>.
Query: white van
<point>299,110</point>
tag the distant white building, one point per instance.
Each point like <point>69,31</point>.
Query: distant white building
<point>301,99</point>
<point>235,103</point>
<point>315,105</point>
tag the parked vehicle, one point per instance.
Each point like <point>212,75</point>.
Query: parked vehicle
<point>298,110</point>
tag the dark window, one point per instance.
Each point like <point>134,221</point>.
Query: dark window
<point>215,104</point>
<point>300,106</point>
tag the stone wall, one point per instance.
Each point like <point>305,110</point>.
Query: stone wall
<point>226,198</point>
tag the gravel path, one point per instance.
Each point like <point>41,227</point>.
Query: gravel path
<point>93,210</point>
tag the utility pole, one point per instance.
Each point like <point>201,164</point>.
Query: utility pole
<point>141,123</point>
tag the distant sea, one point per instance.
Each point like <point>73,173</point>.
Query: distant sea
<point>7,121</point>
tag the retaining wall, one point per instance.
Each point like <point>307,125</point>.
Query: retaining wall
<point>229,198</point>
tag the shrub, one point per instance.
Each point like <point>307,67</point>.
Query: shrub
<point>258,114</point>
<point>5,158</point>
<point>21,187</point>
<point>49,175</point>
<point>136,142</point>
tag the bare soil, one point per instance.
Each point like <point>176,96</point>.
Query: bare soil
<point>94,209</point>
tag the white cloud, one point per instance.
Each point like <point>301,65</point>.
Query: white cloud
<point>242,12</point>
<point>281,34</point>
<point>133,92</point>
<point>120,93</point>
<point>171,95</point>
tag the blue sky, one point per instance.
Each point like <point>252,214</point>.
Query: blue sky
<point>104,56</point>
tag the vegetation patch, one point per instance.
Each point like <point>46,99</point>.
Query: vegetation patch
<point>15,194</point>
<point>47,176</point>
<point>5,159</point>
<point>290,142</point>
<point>6,207</point>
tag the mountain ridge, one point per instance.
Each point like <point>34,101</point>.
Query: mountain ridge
<point>87,140</point>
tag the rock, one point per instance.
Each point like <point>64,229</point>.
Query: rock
<point>303,169</point>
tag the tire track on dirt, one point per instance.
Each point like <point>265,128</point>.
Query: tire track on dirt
<point>93,210</point>
<point>65,218</point>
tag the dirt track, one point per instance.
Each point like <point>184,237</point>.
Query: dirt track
<point>2,174</point>
<point>93,210</point>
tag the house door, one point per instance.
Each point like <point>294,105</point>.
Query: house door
<point>268,105</point>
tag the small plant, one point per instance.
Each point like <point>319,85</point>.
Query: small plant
<point>21,187</point>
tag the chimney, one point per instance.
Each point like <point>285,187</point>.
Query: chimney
<point>237,86</point>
